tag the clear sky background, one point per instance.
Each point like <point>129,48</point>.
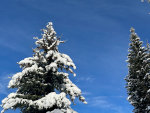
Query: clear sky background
<point>97,37</point>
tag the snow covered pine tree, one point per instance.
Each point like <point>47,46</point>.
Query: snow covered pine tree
<point>138,83</point>
<point>44,83</point>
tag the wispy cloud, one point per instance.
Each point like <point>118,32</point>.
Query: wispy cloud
<point>87,79</point>
<point>102,102</point>
<point>4,79</point>
<point>86,93</point>
<point>10,40</point>
<point>10,46</point>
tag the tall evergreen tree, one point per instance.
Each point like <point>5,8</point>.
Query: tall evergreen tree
<point>146,81</point>
<point>43,84</point>
<point>138,76</point>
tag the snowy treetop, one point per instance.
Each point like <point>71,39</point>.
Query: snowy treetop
<point>48,69</point>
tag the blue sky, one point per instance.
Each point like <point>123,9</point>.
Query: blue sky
<point>97,37</point>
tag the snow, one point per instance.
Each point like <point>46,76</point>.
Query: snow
<point>55,111</point>
<point>62,74</point>
<point>17,77</point>
<point>48,101</point>
<point>64,59</point>
<point>52,66</point>
<point>70,88</point>
<point>68,110</point>
<point>148,91</point>
<point>49,53</point>
<point>148,107</point>
<point>53,99</point>
<point>26,62</point>
<point>82,99</point>
<point>15,80</point>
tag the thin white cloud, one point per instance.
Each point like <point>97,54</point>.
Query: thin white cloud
<point>100,102</point>
<point>4,79</point>
<point>87,79</point>
<point>103,103</point>
<point>86,93</point>
<point>11,41</point>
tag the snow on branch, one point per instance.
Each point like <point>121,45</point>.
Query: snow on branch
<point>48,101</point>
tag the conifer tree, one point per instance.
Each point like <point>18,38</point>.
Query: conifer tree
<point>43,85</point>
<point>138,75</point>
<point>146,89</point>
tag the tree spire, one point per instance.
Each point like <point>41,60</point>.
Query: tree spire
<point>138,74</point>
